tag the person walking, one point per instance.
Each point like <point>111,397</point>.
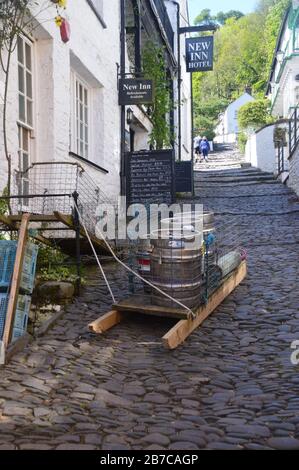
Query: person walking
<point>197,142</point>
<point>205,149</point>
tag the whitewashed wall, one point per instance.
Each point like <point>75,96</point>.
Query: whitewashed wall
<point>228,128</point>
<point>260,150</point>
<point>293,181</point>
<point>92,52</point>
<point>185,77</point>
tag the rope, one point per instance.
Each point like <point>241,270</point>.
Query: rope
<point>95,254</point>
<point>129,269</point>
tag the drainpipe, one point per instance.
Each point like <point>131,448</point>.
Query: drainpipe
<point>123,108</point>
<point>179,79</point>
<point>137,25</point>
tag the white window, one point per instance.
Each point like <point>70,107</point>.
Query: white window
<point>25,112</point>
<point>24,160</point>
<point>25,82</point>
<point>80,139</point>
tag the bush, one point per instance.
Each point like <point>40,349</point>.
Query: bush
<point>242,141</point>
<point>255,114</point>
<point>53,265</point>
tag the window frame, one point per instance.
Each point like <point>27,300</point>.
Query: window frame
<point>74,134</point>
<point>25,123</point>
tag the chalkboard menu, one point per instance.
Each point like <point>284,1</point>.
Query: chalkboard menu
<point>150,177</point>
<point>183,177</point>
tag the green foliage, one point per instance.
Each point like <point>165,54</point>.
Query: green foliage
<point>58,273</point>
<point>255,114</point>
<point>221,17</point>
<point>3,203</point>
<point>242,141</point>
<point>205,16</point>
<point>53,265</point>
<point>154,67</point>
<point>244,48</point>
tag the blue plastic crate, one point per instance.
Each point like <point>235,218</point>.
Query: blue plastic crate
<point>8,251</point>
<point>21,317</point>
<point>29,268</point>
<point>3,309</point>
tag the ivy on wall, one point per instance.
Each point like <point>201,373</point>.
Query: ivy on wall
<point>154,68</point>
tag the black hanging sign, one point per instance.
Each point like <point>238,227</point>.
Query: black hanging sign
<point>135,91</point>
<point>200,53</point>
<point>150,177</point>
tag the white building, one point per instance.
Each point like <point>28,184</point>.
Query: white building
<point>179,16</point>
<point>264,148</point>
<point>63,98</point>
<point>283,90</point>
<point>227,129</point>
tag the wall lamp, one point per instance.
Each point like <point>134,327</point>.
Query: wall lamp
<point>130,116</point>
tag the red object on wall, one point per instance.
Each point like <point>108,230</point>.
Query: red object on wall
<point>65,30</point>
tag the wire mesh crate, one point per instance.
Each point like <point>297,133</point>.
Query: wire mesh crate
<point>185,268</point>
<point>8,249</point>
<point>21,316</point>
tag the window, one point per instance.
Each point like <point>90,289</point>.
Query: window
<point>25,113</point>
<point>81,127</point>
<point>24,160</point>
<point>25,82</point>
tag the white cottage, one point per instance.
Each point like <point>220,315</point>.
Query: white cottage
<point>62,98</point>
<point>228,128</point>
<point>283,90</point>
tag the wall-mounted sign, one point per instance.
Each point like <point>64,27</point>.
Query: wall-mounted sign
<point>150,177</point>
<point>199,53</point>
<point>135,91</point>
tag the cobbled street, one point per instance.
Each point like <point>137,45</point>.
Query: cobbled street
<point>230,386</point>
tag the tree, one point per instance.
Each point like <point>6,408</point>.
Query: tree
<point>222,17</point>
<point>204,17</point>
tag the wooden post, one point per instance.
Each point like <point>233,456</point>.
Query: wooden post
<point>184,328</point>
<point>16,279</point>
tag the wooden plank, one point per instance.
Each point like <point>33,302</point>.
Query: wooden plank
<point>6,220</point>
<point>16,279</point>
<point>105,322</point>
<point>184,328</point>
<point>141,304</point>
<point>35,218</point>
<point>68,221</point>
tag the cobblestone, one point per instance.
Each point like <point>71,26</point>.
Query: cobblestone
<point>230,386</point>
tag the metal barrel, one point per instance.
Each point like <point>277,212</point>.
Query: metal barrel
<point>176,267</point>
<point>206,220</point>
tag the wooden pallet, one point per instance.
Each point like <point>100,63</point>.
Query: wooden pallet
<point>186,325</point>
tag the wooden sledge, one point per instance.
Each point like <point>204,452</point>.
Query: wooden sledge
<point>186,325</point>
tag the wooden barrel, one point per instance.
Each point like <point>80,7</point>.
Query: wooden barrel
<point>176,267</point>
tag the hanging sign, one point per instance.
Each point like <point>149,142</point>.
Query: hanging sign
<point>200,53</point>
<point>135,91</point>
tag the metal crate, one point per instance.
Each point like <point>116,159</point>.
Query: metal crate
<point>22,313</point>
<point>8,251</point>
